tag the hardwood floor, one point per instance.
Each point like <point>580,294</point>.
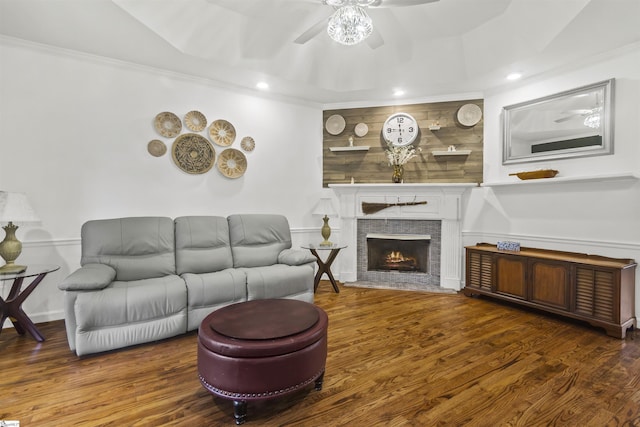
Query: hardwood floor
<point>396,358</point>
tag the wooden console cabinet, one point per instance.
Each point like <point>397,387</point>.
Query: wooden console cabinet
<point>596,289</point>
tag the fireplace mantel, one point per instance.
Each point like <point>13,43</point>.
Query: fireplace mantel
<point>444,203</point>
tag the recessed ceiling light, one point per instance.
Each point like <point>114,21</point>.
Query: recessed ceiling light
<point>262,85</point>
<point>514,76</point>
<point>398,92</point>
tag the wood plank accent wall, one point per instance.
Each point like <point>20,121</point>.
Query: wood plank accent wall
<point>372,166</point>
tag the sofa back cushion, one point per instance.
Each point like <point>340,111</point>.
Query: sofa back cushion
<point>136,247</point>
<point>257,239</point>
<point>202,244</point>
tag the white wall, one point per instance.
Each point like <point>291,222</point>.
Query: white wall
<point>599,216</point>
<point>74,131</point>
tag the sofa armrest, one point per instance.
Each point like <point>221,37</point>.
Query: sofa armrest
<point>91,277</point>
<point>295,257</point>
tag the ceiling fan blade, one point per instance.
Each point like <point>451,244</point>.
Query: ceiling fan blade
<point>400,3</point>
<point>313,31</point>
<point>375,40</point>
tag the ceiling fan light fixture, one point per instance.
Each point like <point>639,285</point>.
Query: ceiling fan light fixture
<point>340,3</point>
<point>350,25</point>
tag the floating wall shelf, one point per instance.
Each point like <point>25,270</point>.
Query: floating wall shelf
<point>434,127</point>
<point>452,153</point>
<point>357,148</point>
<point>624,176</point>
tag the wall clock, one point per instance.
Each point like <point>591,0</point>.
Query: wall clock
<point>400,129</point>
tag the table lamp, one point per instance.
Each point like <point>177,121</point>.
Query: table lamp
<point>325,207</point>
<point>14,207</point>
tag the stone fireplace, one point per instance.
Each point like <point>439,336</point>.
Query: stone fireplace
<point>431,232</point>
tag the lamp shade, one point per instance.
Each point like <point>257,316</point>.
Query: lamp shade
<point>15,207</point>
<point>325,208</point>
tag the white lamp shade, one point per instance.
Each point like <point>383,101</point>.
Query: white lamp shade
<point>15,207</point>
<point>325,207</point>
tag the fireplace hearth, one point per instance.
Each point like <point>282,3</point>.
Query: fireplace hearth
<point>399,251</point>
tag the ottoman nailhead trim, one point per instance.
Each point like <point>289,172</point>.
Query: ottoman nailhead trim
<point>235,395</point>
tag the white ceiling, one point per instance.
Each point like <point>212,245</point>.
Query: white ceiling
<point>442,48</point>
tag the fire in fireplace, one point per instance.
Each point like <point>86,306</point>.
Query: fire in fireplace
<point>398,252</point>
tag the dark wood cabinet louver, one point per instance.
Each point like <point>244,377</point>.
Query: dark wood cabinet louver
<point>596,289</point>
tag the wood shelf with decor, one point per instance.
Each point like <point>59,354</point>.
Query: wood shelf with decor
<point>354,148</point>
<point>595,289</point>
<point>451,153</point>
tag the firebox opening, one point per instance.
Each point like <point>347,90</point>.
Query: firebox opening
<point>398,252</point>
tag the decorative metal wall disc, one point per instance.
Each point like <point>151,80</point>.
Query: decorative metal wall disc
<point>193,153</point>
<point>248,144</point>
<point>195,121</point>
<point>232,163</point>
<point>168,124</point>
<point>156,148</point>
<point>222,133</point>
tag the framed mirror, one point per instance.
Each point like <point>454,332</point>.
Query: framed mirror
<point>574,123</point>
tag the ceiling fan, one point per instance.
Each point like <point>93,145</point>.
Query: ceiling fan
<point>346,13</point>
<point>570,114</point>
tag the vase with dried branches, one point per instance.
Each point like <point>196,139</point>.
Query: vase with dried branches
<point>398,157</point>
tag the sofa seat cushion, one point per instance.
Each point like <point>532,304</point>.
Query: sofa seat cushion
<point>209,291</point>
<point>280,281</point>
<point>132,302</point>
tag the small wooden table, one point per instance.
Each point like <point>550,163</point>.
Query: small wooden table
<point>325,266</point>
<point>12,307</point>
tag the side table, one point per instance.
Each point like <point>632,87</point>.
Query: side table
<point>325,266</point>
<point>12,306</point>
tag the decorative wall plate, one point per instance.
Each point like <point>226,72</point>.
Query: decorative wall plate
<point>361,129</point>
<point>232,163</point>
<point>335,124</point>
<point>195,121</point>
<point>168,124</point>
<point>248,144</point>
<point>193,153</point>
<point>222,133</point>
<point>469,115</point>
<point>156,148</point>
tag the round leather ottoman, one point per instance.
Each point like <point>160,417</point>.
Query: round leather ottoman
<point>262,349</point>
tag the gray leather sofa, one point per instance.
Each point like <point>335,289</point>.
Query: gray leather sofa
<point>148,278</point>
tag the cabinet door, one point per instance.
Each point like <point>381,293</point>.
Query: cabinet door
<point>596,293</point>
<point>511,276</point>
<point>550,283</point>
<point>479,270</point>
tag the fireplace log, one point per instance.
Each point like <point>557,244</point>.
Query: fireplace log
<point>369,208</point>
